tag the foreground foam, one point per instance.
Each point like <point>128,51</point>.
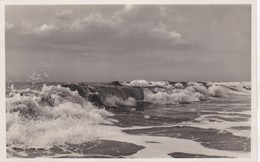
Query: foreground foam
<point>162,146</point>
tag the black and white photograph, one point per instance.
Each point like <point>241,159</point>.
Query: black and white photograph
<point>129,81</point>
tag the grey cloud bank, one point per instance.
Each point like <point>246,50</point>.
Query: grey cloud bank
<point>126,42</point>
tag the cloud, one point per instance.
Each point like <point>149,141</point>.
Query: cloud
<point>93,19</point>
<point>162,31</point>
<point>64,13</point>
<point>129,29</point>
<point>8,26</point>
<point>45,28</point>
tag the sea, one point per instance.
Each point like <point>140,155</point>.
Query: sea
<point>136,119</point>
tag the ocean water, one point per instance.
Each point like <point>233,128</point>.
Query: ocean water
<point>137,119</point>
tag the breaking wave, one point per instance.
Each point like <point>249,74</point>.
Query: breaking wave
<point>162,96</point>
<point>53,116</point>
<point>144,83</point>
<point>114,101</point>
<point>195,91</point>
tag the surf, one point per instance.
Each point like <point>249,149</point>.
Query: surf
<point>55,115</point>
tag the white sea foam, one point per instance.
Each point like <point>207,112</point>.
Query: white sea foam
<point>235,88</point>
<point>214,89</point>
<point>195,91</point>
<point>144,83</point>
<point>53,116</point>
<point>178,85</point>
<point>203,122</point>
<point>173,96</point>
<point>163,146</point>
<point>217,91</point>
<point>114,101</point>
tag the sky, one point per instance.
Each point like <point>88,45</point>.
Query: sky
<point>86,43</point>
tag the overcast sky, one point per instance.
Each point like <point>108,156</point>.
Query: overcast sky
<point>127,42</point>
